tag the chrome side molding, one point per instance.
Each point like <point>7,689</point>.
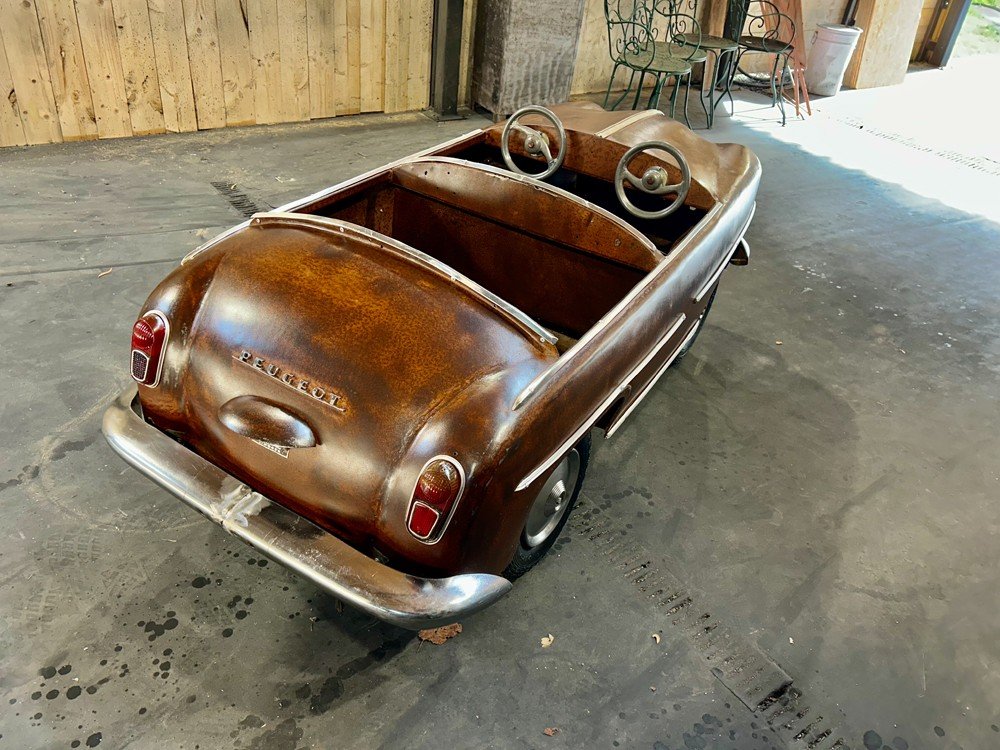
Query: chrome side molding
<point>558,453</point>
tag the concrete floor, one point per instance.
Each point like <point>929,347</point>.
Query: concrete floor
<point>828,502</point>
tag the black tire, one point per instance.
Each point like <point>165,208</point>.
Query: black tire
<point>525,557</point>
<point>697,331</point>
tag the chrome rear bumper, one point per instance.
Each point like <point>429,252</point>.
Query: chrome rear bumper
<point>289,539</point>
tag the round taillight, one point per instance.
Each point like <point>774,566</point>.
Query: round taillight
<point>435,496</point>
<point>142,334</point>
<point>149,336</point>
<point>439,484</point>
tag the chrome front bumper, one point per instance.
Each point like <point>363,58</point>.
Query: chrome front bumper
<point>289,539</point>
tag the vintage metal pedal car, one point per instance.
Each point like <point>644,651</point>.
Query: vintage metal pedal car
<point>389,386</point>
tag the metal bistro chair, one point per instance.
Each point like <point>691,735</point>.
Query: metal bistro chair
<point>722,51</point>
<point>769,32</point>
<point>632,44</point>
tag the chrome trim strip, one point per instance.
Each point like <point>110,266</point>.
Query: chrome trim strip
<point>649,386</point>
<point>404,600</point>
<point>589,422</point>
<point>461,492</point>
<point>644,283</point>
<point>215,240</point>
<point>625,122</point>
<point>570,442</point>
<point>311,221</point>
<point>544,186</point>
<point>325,192</point>
<point>718,272</point>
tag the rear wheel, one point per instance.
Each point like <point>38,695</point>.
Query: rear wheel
<point>550,510</point>
<point>697,330</point>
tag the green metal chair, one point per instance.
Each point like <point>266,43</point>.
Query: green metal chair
<point>769,32</point>
<point>723,52</point>
<point>677,35</point>
<point>632,44</point>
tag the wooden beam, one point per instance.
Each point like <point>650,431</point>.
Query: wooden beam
<point>142,83</point>
<point>883,52</point>
<point>322,65</point>
<point>166,23</point>
<point>67,69</point>
<point>28,72</point>
<point>11,130</point>
<point>237,70</point>
<point>205,64</point>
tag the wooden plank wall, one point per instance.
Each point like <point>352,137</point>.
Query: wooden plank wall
<point>82,69</point>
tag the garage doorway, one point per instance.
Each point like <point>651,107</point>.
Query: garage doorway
<point>959,28</point>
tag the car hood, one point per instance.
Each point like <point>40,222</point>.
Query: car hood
<point>316,355</point>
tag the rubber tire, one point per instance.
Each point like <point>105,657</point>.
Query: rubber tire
<point>700,325</point>
<point>525,559</point>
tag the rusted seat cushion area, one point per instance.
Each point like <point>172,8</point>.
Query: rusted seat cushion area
<point>532,207</point>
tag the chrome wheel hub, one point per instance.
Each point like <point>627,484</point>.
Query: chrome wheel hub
<point>552,502</point>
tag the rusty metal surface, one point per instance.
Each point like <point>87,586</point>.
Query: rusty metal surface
<point>395,597</point>
<point>418,367</point>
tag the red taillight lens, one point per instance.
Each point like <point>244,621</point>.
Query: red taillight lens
<point>149,335</point>
<point>434,498</point>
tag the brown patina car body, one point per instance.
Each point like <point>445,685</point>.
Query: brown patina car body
<point>318,359</point>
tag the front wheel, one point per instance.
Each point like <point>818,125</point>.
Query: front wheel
<point>550,510</point>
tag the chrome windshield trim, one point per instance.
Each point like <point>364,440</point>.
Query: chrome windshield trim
<point>520,319</point>
<point>288,538</point>
<point>592,419</point>
<point>215,240</point>
<point>539,185</point>
<point>625,122</point>
<point>532,387</point>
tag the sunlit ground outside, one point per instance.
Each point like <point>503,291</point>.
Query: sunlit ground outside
<point>936,134</point>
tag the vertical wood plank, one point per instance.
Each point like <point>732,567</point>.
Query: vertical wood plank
<point>419,69</point>
<point>205,63</point>
<point>262,16</point>
<point>99,36</point>
<point>340,72</point>
<point>67,69</point>
<point>465,69</point>
<point>142,84</point>
<point>166,22</point>
<point>372,56</point>
<point>354,55</point>
<point>294,50</point>
<point>237,71</point>
<point>11,130</point>
<point>322,67</point>
<point>393,97</point>
<point>29,72</point>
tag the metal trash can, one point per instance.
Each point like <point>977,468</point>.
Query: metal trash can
<point>831,51</point>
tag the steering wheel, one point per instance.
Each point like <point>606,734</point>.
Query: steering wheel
<point>654,180</point>
<point>536,143</point>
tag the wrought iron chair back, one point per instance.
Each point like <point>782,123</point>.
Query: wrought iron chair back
<point>677,29</point>
<point>768,24</point>
<point>630,33</point>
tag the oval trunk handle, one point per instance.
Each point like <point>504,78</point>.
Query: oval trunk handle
<point>260,419</point>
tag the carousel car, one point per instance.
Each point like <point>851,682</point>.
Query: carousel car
<point>390,386</point>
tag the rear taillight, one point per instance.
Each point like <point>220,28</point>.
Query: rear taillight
<point>435,496</point>
<point>149,336</point>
